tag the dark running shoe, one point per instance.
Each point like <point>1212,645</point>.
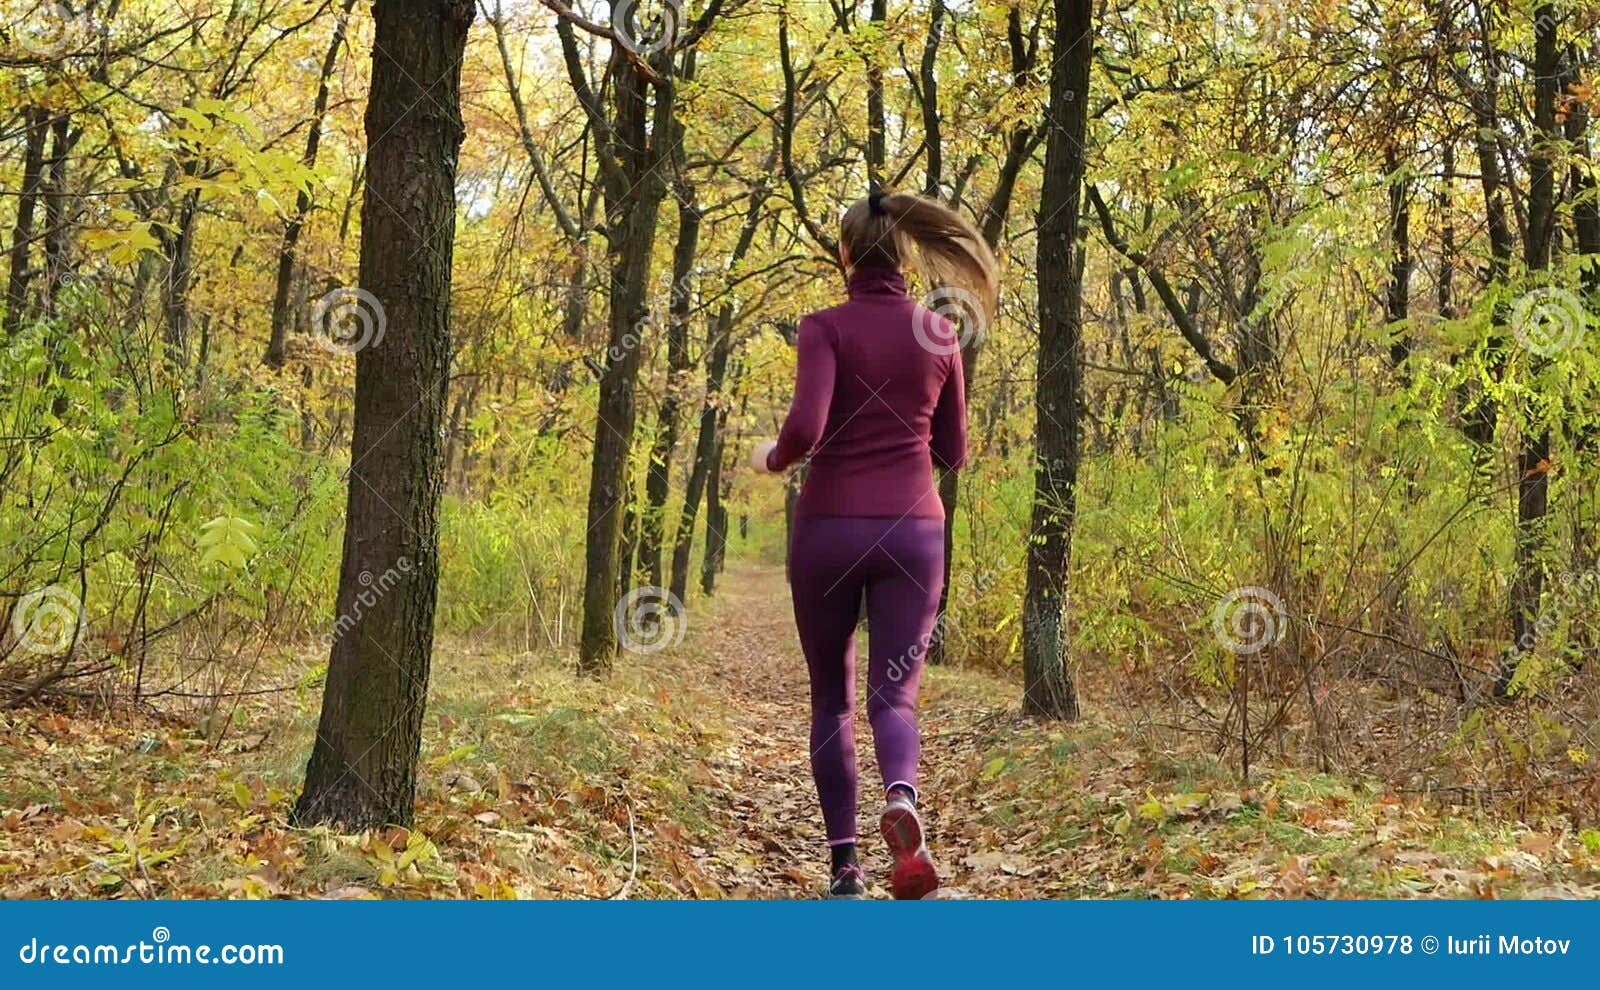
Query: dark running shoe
<point>914,877</point>
<point>848,884</point>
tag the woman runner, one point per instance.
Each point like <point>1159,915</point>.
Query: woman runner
<point>879,399</point>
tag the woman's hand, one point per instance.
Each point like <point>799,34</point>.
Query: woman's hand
<point>758,456</point>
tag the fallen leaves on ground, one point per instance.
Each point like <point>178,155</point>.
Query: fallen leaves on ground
<point>693,763</point>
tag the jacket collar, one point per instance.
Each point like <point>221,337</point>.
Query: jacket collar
<point>876,281</point>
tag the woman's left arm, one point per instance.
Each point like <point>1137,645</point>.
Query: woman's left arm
<point>817,363</point>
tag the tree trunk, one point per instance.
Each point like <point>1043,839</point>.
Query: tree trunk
<point>1048,690</point>
<point>180,276</point>
<point>37,122</point>
<point>613,435</point>
<point>1533,460</point>
<point>57,222</point>
<point>932,132</point>
<point>877,151</point>
<point>634,189</point>
<point>705,448</point>
<point>716,515</point>
<point>362,771</point>
<point>658,480</point>
<point>302,205</point>
<point>1397,298</point>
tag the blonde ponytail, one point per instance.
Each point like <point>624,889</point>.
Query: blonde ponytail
<point>890,229</point>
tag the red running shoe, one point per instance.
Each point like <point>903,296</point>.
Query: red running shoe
<point>914,877</point>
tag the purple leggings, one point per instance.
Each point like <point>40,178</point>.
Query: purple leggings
<point>899,566</point>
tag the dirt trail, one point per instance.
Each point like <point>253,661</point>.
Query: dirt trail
<point>772,840</point>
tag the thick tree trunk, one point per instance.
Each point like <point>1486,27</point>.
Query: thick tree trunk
<point>613,436</point>
<point>302,205</point>
<point>632,158</point>
<point>362,771</point>
<point>37,121</point>
<point>1048,689</point>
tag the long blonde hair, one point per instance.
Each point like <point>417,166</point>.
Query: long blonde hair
<point>892,228</point>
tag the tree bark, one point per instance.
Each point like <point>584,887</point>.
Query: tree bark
<point>877,129</point>
<point>932,131</point>
<point>57,209</point>
<point>1048,689</point>
<point>1397,298</point>
<point>632,146</point>
<point>1533,459</point>
<point>362,771</point>
<point>658,478</point>
<point>719,347</point>
<point>37,123</point>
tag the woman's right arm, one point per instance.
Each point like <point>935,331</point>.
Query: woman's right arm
<point>816,365</point>
<point>948,433</point>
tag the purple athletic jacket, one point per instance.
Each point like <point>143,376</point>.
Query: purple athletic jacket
<point>878,398</point>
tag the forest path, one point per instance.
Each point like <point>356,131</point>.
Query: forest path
<point>770,837</point>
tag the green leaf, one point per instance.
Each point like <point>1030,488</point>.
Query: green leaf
<point>228,541</point>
